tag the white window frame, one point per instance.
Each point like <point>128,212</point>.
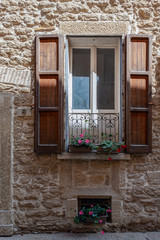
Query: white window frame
<point>99,42</point>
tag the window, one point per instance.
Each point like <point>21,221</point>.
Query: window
<point>94,89</point>
<point>102,202</point>
<point>94,75</point>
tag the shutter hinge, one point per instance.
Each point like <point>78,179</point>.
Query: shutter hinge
<point>150,103</point>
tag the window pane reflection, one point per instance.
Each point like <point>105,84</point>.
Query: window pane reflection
<point>105,79</point>
<point>81,79</point>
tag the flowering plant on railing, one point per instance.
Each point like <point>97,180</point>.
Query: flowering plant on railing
<point>109,146</point>
<point>93,214</point>
<point>84,139</point>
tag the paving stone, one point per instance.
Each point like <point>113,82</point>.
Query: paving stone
<point>85,236</point>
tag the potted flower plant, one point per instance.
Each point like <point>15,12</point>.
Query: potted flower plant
<point>81,143</point>
<point>93,215</point>
<point>109,146</point>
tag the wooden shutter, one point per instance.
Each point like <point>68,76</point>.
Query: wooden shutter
<point>49,94</point>
<point>138,94</point>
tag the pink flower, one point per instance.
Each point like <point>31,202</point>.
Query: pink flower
<point>81,213</point>
<point>87,141</point>
<point>109,210</point>
<point>90,213</point>
<point>83,131</point>
<point>91,205</point>
<point>100,221</point>
<point>109,159</point>
<point>81,135</point>
<point>102,232</point>
<point>79,141</point>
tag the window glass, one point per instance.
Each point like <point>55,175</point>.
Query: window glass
<point>81,79</point>
<point>105,78</point>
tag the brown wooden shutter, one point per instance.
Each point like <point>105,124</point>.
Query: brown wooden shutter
<point>49,94</point>
<point>138,94</point>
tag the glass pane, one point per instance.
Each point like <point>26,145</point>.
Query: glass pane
<point>105,78</point>
<point>81,79</point>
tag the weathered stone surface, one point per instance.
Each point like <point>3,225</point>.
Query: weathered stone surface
<point>6,226</point>
<point>6,230</point>
<point>6,217</point>
<point>72,7</point>
<point>45,187</point>
<point>71,207</point>
<point>153,174</point>
<point>94,28</point>
<point>96,180</point>
<point>145,13</point>
<point>80,179</point>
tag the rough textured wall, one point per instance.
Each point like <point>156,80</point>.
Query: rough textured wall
<point>39,201</point>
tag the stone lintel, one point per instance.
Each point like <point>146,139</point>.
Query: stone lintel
<point>91,192</point>
<point>97,28</point>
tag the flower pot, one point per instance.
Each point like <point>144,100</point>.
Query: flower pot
<point>104,150</point>
<point>81,149</point>
<point>89,221</point>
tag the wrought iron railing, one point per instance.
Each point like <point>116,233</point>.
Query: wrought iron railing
<point>97,125</point>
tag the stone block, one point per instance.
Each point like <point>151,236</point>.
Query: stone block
<point>153,174</point>
<point>80,166</point>
<point>50,204</point>
<point>6,230</point>
<point>71,8</point>
<point>116,211</point>
<point>96,180</point>
<point>71,207</point>
<point>15,76</point>
<point>5,150</point>
<point>23,112</point>
<point>99,28</point>
<point>5,217</point>
<point>145,13</point>
<point>65,176</point>
<point>115,175</point>
<point>80,179</point>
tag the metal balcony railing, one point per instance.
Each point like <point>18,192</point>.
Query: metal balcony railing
<point>95,124</point>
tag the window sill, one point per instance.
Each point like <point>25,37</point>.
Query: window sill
<point>94,156</point>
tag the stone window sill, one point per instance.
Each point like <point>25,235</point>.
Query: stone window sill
<point>93,156</point>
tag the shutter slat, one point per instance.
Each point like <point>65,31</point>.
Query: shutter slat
<point>48,91</point>
<point>49,72</point>
<point>139,72</point>
<point>48,109</point>
<point>138,94</point>
<point>49,94</point>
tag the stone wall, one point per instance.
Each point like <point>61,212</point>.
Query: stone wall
<point>44,186</point>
